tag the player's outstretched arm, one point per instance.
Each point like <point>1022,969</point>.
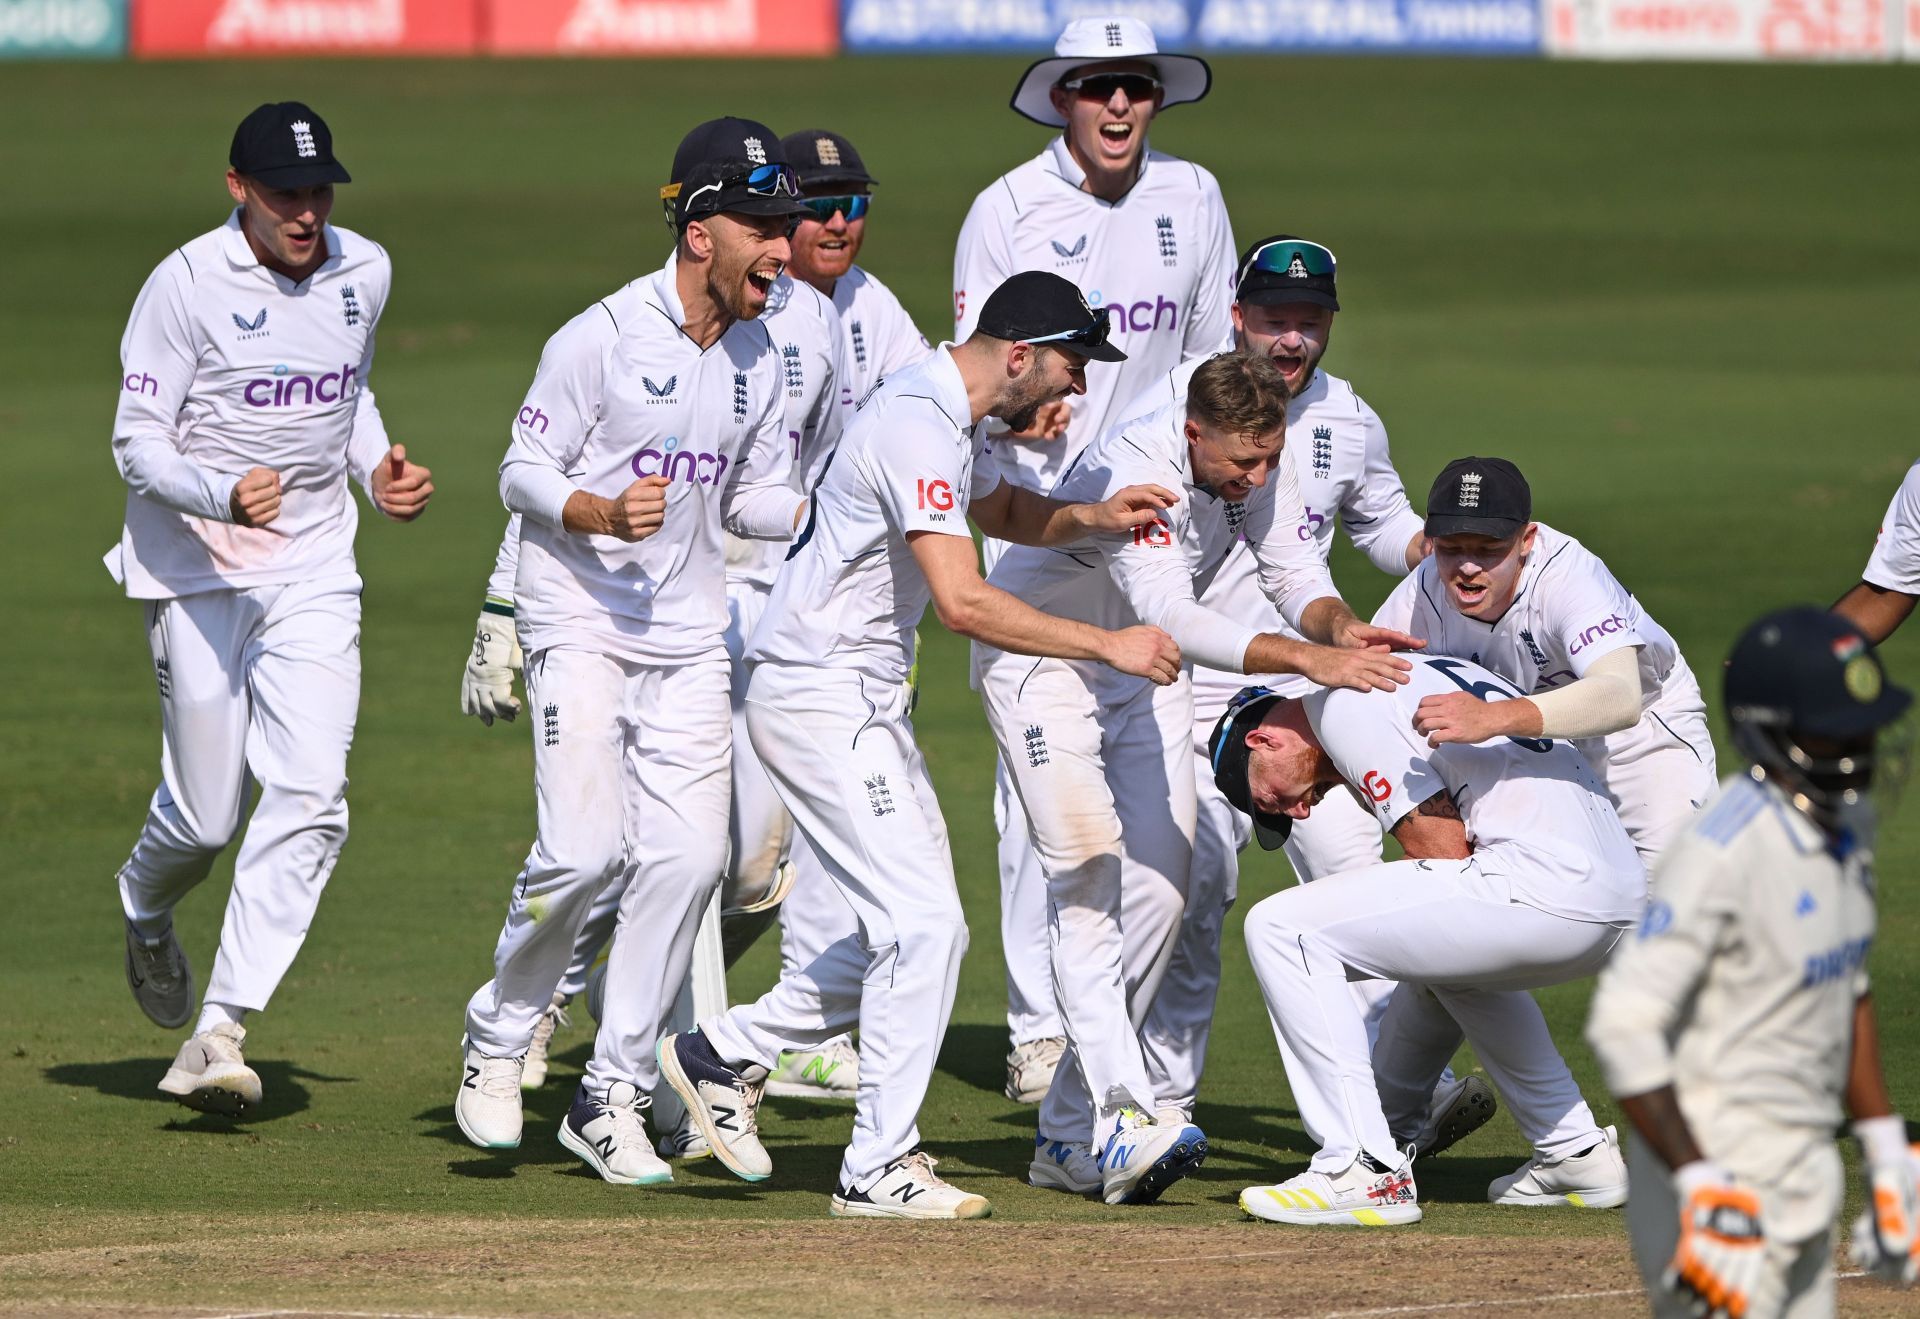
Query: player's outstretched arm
<point>970,607</point>
<point>1875,610</point>
<point>1013,513</point>
<point>1886,1236</point>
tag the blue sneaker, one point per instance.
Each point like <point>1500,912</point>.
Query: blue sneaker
<point>1144,1157</point>
<point>611,1136</point>
<point>723,1103</point>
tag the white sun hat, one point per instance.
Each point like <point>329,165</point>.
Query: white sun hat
<point>1095,41</point>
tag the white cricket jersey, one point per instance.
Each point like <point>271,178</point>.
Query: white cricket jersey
<point>1739,988</point>
<point>227,366</point>
<point>1153,574</point>
<point>622,393</point>
<point>1534,810</point>
<point>852,593</point>
<point>880,335</point>
<point>1160,261</point>
<point>1895,562</point>
<point>1569,611</point>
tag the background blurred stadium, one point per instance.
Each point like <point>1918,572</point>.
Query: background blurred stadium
<point>1680,295</point>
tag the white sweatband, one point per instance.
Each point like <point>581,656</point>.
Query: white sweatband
<point>1605,701</point>
<point>1883,1140</point>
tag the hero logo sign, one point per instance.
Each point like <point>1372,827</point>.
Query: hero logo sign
<point>1156,535</point>
<point>1375,785</point>
<point>936,494</point>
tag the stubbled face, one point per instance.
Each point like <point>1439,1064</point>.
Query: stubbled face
<point>1286,773</point>
<point>1232,465</point>
<point>1482,573</point>
<point>1293,334</point>
<point>284,226</point>
<point>1051,373</point>
<point>749,252</point>
<point>824,250</point>
<point>1107,134</point>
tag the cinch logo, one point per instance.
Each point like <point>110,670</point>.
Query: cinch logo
<point>934,494</point>
<point>141,383</point>
<point>1155,535</point>
<point>1375,785</point>
<point>677,464</point>
<point>1142,316</point>
<point>531,417</point>
<point>282,390</point>
<point>1594,633</point>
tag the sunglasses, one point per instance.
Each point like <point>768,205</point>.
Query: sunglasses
<point>1101,86</point>
<point>760,180</point>
<point>854,208</point>
<point>1091,335</point>
<point>1293,257</point>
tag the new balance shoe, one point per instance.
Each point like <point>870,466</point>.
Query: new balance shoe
<point>487,1104</point>
<point>533,1074</point>
<point>1460,1108</point>
<point>909,1188</point>
<point>210,1074</point>
<point>684,1141</point>
<point>723,1104</point>
<point>161,980</point>
<point>1030,1068</point>
<point>1366,1194</point>
<point>829,1072</point>
<point>1064,1165</point>
<point>1144,1157</point>
<point>1595,1178</point>
<point>610,1134</point>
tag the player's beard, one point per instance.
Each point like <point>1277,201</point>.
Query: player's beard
<point>1025,397</point>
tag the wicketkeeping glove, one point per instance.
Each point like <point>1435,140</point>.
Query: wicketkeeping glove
<point>1721,1251</point>
<point>1886,1237</point>
<point>486,688</point>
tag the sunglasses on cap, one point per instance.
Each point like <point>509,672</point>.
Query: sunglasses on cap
<point>1289,256</point>
<point>1101,86</point>
<point>854,208</point>
<point>1091,335</point>
<point>776,180</point>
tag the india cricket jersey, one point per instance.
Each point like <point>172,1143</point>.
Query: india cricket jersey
<point>1895,563</point>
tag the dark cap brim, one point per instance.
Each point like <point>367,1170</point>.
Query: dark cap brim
<point>1860,720</point>
<point>301,176</point>
<point>1274,296</point>
<point>833,177</point>
<point>1500,528</point>
<point>1272,831</point>
<point>1106,352</point>
<point>752,204</point>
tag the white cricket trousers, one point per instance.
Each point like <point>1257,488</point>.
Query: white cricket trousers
<point>1445,925</point>
<point>1658,784</point>
<point>840,750</point>
<point>1082,765</point>
<point>259,685</point>
<point>759,830</point>
<point>631,771</point>
<point>813,916</point>
<point>1032,1012</point>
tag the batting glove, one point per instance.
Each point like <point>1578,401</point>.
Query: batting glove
<point>1886,1237</point>
<point>1721,1249</point>
<point>486,688</point>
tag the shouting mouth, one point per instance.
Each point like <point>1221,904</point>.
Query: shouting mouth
<point>761,281</point>
<point>1471,595</point>
<point>1117,138</point>
<point>1291,365</point>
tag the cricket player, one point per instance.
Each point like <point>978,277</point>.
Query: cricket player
<point>1883,598</point>
<point>244,409</point>
<point>1736,1026</point>
<point>1103,764</point>
<point>1518,874</point>
<point>1541,611</point>
<point>827,707</point>
<point>1145,235</point>
<point>655,420</point>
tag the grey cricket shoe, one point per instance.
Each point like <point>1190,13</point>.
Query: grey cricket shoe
<point>161,980</point>
<point>210,1074</point>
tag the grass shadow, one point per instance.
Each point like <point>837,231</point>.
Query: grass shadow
<point>282,1094</point>
<point>975,1054</point>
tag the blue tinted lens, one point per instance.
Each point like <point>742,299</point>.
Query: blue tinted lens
<point>1293,257</point>
<point>854,208</point>
<point>772,180</point>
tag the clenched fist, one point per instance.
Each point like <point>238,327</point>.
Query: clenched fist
<point>256,500</point>
<point>632,515</point>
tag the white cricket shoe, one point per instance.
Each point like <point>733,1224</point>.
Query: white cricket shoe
<point>1064,1165</point>
<point>830,1072</point>
<point>1595,1178</point>
<point>1144,1157</point>
<point>723,1104</point>
<point>533,1074</point>
<point>210,1074</point>
<point>684,1141</point>
<point>1030,1068</point>
<point>161,980</point>
<point>909,1188</point>
<point>487,1104</point>
<point>611,1135</point>
<point>1460,1108</point>
<point>1366,1194</point>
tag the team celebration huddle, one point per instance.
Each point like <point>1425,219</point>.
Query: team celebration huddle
<point>733,490</point>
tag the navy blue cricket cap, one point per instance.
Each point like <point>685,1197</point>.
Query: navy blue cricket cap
<point>1807,671</point>
<point>286,145</point>
<point>1227,752</point>
<point>822,157</point>
<point>1039,307</point>
<point>1479,497</point>
<point>731,164</point>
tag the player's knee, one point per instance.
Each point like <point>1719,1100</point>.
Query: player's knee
<point>587,859</point>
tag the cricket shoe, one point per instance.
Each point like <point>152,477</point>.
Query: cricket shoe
<point>210,1074</point>
<point>684,1141</point>
<point>1142,1158</point>
<point>487,1104</point>
<point>723,1104</point>
<point>161,980</point>
<point>829,1072</point>
<point>1460,1108</point>
<point>533,1072</point>
<point>611,1135</point>
<point>1366,1194</point>
<point>1030,1068</point>
<point>1595,1178</point>
<point>909,1188</point>
<point>1064,1165</point>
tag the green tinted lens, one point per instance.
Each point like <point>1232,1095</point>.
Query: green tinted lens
<point>823,208</point>
<point>1293,258</point>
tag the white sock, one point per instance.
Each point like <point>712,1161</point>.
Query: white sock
<point>213,1014</point>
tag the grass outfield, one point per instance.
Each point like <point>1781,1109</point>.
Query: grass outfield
<point>1681,297</point>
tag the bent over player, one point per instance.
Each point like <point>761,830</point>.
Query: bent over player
<point>239,539</point>
<point>1737,1023</point>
